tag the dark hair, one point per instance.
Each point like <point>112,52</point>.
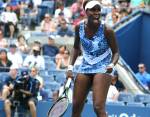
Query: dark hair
<point>63,46</point>
<point>85,2</point>
<point>3,50</point>
<point>18,38</point>
<point>115,73</point>
<point>12,46</point>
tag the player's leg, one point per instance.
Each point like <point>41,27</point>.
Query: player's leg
<point>101,83</point>
<point>82,86</point>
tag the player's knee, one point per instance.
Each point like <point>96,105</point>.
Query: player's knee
<point>77,106</point>
<point>99,108</point>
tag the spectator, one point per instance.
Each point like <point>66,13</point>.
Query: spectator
<point>37,43</point>
<point>4,62</point>
<point>77,11</point>
<point>77,7</point>
<point>36,3</point>
<point>137,3</point>
<point>26,94</point>
<point>35,59</point>
<point>60,55</point>
<point>125,4</point>
<point>112,17</point>
<point>107,6</point>
<point>29,16</point>
<point>142,75</point>
<point>65,61</point>
<point>117,83</point>
<point>22,44</point>
<point>62,11</point>
<point>123,13</point>
<point>3,41</point>
<point>34,74</point>
<point>64,29</point>
<point>79,19</point>
<point>9,82</point>
<point>50,49</point>
<point>47,25</point>
<point>14,56</point>
<point>113,93</point>
<point>9,18</point>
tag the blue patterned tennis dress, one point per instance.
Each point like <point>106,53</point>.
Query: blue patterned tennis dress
<point>96,52</point>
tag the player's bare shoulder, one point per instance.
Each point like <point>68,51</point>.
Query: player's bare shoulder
<point>108,30</point>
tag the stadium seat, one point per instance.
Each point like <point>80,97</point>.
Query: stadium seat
<point>148,105</point>
<point>114,103</point>
<point>52,85</point>
<point>135,104</point>
<point>3,76</point>
<point>48,78</point>
<point>49,92</point>
<point>50,65</point>
<point>126,97</point>
<point>48,58</point>
<point>43,72</point>
<point>60,76</point>
<point>143,98</point>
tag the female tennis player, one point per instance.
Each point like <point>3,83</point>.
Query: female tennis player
<point>97,43</point>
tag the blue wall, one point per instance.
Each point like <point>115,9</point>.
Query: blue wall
<point>134,41</point>
<point>113,110</point>
<point>145,40</point>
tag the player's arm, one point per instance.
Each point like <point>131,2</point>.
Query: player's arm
<point>76,48</point>
<point>111,39</point>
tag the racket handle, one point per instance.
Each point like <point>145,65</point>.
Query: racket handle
<point>68,83</point>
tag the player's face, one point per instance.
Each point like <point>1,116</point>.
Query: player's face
<point>94,14</point>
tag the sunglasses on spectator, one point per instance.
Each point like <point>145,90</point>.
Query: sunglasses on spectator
<point>141,67</point>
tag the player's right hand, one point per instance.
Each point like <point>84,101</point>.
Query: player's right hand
<point>69,74</point>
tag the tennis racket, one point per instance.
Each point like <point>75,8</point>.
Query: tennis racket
<point>61,105</point>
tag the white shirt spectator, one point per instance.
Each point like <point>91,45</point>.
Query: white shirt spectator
<point>37,61</point>
<point>15,58</point>
<point>9,17</point>
<point>66,13</point>
<point>113,93</point>
<point>37,2</point>
<point>106,2</point>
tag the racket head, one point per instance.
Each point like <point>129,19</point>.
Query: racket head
<point>59,107</point>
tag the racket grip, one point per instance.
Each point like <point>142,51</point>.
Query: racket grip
<point>68,83</point>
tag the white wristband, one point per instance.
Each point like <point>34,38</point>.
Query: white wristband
<point>111,65</point>
<point>70,68</point>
